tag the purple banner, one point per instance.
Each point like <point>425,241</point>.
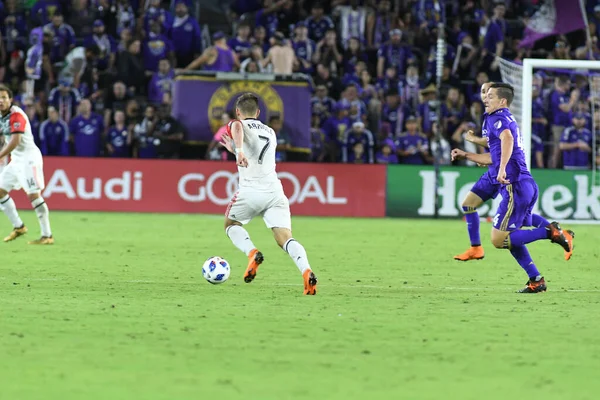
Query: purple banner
<point>554,17</point>
<point>200,101</point>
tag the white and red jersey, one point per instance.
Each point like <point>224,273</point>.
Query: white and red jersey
<point>260,144</point>
<point>16,122</point>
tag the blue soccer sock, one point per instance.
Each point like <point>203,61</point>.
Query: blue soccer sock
<point>522,237</point>
<point>472,218</point>
<point>538,221</point>
<point>521,254</point>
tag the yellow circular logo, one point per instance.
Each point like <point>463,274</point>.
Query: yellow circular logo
<point>223,100</point>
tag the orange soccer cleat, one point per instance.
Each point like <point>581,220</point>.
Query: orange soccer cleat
<point>563,238</point>
<point>255,258</point>
<point>473,253</point>
<point>310,282</point>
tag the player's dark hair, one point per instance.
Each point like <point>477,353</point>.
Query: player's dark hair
<point>505,91</point>
<point>247,104</point>
<point>274,118</point>
<point>4,88</point>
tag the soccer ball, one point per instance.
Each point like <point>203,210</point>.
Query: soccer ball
<point>216,270</point>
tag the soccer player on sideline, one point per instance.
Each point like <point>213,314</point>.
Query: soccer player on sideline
<point>487,187</point>
<point>260,191</point>
<point>519,191</point>
<point>25,169</point>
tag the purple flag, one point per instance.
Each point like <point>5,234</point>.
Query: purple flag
<point>200,101</point>
<point>554,17</point>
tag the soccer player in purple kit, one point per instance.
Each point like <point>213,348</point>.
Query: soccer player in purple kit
<point>486,188</point>
<point>519,191</point>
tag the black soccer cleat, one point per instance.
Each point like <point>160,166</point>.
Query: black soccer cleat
<point>556,235</point>
<point>534,286</point>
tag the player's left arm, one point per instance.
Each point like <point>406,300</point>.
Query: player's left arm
<point>17,128</point>
<point>506,149</point>
<point>237,133</point>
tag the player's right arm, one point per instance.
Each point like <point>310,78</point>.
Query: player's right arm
<point>237,133</point>
<point>482,159</point>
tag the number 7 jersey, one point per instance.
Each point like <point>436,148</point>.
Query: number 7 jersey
<point>260,144</point>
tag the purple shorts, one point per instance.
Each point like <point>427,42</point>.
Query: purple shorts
<point>518,200</point>
<point>487,187</point>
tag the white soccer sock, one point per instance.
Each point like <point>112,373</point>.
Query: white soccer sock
<point>298,254</point>
<point>10,209</point>
<point>240,238</point>
<point>41,210</point>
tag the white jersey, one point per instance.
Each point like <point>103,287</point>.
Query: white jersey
<point>260,144</point>
<point>16,122</point>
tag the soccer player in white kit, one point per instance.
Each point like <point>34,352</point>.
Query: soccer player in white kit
<point>260,191</point>
<point>25,169</point>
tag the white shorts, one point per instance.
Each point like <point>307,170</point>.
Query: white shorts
<point>23,174</point>
<point>274,208</point>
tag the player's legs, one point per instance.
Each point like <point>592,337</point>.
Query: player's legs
<point>8,181</point>
<point>239,212</point>
<point>482,191</point>
<point>31,179</point>
<point>278,218</point>
<point>514,211</point>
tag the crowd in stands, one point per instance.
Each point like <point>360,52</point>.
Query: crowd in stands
<point>95,76</point>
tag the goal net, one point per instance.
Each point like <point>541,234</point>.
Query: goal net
<point>521,77</point>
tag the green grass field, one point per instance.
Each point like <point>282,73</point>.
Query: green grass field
<point>118,309</point>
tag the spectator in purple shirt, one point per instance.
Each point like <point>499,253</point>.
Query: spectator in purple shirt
<point>412,147</point>
<point>539,123</point>
<point>561,103</point>
<point>64,37</point>
<point>490,32</point>
<point>65,99</point>
<point>318,23</point>
<point>241,43</point>
<point>43,11</point>
<point>303,47</point>
<point>358,134</point>
<point>185,35</point>
<point>576,144</point>
<point>159,88</point>
<point>155,12</point>
<point>106,45</point>
<point>118,140</point>
<point>387,154</point>
<point>155,48</point>
<point>394,54</point>
<point>218,57</point>
<point>267,17</point>
<point>321,104</point>
<point>86,131</point>
<point>394,113</point>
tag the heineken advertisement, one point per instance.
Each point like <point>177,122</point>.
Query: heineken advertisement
<point>563,194</point>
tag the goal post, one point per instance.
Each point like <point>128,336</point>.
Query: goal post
<point>529,64</point>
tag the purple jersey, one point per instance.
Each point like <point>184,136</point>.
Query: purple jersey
<point>413,143</point>
<point>396,56</point>
<point>54,138</point>
<point>560,117</point>
<point>160,85</point>
<point>576,158</point>
<point>317,29</point>
<point>238,45</point>
<point>117,138</point>
<point>335,128</point>
<point>224,61</point>
<point>186,36</point>
<point>156,47</point>
<point>351,139</point>
<point>396,117</point>
<point>87,133</point>
<point>497,122</point>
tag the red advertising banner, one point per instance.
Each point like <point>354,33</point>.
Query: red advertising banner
<point>171,186</point>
